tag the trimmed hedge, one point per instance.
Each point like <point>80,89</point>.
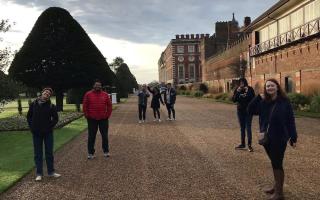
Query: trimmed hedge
<point>315,104</point>
<point>298,100</point>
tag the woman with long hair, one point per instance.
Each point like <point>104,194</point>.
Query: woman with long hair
<point>155,102</point>
<point>276,120</point>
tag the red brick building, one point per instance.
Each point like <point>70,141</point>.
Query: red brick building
<point>180,62</point>
<point>285,45</point>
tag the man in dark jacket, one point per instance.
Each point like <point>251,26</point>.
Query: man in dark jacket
<point>243,95</point>
<point>142,103</point>
<point>42,117</point>
<point>97,109</point>
<point>170,100</point>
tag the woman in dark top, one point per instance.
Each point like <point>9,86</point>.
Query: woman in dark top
<point>155,102</point>
<point>274,108</point>
<point>243,95</point>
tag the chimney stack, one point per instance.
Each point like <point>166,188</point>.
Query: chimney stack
<point>247,21</point>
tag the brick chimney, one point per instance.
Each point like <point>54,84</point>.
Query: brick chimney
<point>187,36</point>
<point>247,21</point>
<point>177,36</point>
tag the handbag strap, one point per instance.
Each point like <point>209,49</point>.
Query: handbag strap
<point>271,116</point>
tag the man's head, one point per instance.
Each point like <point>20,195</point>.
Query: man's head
<point>46,93</point>
<point>168,85</point>
<point>97,86</point>
<point>144,87</point>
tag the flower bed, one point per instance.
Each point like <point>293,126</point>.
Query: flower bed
<point>19,122</point>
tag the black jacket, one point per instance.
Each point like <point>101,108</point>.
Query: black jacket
<point>173,95</point>
<point>156,98</point>
<point>143,98</point>
<point>42,118</point>
<point>243,98</point>
<point>282,123</point>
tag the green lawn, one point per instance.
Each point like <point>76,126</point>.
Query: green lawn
<point>16,151</point>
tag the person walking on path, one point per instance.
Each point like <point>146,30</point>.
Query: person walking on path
<point>277,120</point>
<point>243,95</point>
<point>170,99</point>
<point>97,108</point>
<point>42,116</point>
<point>155,102</point>
<point>142,103</point>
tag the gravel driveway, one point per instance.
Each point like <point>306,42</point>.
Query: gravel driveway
<point>191,158</point>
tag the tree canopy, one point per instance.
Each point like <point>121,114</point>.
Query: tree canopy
<point>126,80</point>
<point>59,53</point>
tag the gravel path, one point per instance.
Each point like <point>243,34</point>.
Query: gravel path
<point>191,158</point>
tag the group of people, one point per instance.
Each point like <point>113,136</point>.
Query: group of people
<point>276,121</point>
<point>169,95</point>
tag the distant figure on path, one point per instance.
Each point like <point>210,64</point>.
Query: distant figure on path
<point>42,117</point>
<point>155,102</point>
<point>97,109</point>
<point>277,120</point>
<point>243,95</point>
<point>170,99</point>
<point>142,103</point>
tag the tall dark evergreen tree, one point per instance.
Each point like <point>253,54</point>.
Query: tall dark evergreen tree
<point>126,80</point>
<point>60,54</point>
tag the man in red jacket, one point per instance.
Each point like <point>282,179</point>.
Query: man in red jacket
<point>97,109</point>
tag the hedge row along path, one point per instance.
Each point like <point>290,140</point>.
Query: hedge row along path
<point>191,158</point>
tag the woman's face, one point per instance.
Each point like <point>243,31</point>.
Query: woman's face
<point>271,88</point>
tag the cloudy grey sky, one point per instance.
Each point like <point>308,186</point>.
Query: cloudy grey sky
<point>134,27</point>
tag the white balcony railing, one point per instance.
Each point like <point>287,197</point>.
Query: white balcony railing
<point>301,32</point>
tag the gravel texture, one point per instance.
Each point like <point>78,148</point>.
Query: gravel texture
<point>191,158</point>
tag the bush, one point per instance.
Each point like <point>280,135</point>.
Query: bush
<point>204,88</point>
<point>198,94</point>
<point>187,93</point>
<point>182,87</point>
<point>315,104</point>
<point>222,96</point>
<point>297,100</point>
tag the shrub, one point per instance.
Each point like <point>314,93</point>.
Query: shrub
<point>222,96</point>
<point>198,93</point>
<point>315,103</point>
<point>182,87</point>
<point>187,92</point>
<point>183,92</point>
<point>298,100</point>
<point>204,88</point>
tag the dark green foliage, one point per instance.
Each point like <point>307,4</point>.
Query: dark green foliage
<point>60,54</point>
<point>182,87</point>
<point>297,99</point>
<point>198,94</point>
<point>19,107</point>
<point>75,96</point>
<point>8,88</point>
<point>204,88</point>
<point>315,103</point>
<point>126,81</point>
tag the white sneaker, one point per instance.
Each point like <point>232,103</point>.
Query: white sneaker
<point>143,121</point>
<point>91,156</point>
<point>106,155</point>
<point>55,175</point>
<point>159,120</point>
<point>168,119</point>
<point>140,121</point>
<point>155,120</point>
<point>38,178</point>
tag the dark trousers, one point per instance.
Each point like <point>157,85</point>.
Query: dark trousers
<point>38,139</point>
<point>156,112</point>
<point>245,121</point>
<point>275,152</point>
<point>170,108</point>
<point>142,112</point>
<point>93,125</point>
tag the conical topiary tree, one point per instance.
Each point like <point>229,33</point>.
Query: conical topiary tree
<point>60,54</point>
<point>126,80</point>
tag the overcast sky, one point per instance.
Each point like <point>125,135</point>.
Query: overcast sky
<point>136,30</point>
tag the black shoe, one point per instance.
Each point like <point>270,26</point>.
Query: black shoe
<point>250,149</point>
<point>241,146</point>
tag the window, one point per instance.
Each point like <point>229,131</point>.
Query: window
<point>192,72</point>
<point>273,30</point>
<point>297,18</point>
<point>288,84</point>
<point>263,35</point>
<point>180,49</point>
<point>191,48</point>
<point>181,72</point>
<point>284,25</point>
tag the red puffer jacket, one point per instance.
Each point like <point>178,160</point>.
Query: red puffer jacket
<point>97,105</point>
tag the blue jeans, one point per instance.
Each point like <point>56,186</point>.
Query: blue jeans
<point>38,139</point>
<point>245,121</point>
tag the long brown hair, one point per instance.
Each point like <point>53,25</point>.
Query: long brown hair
<point>280,93</point>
